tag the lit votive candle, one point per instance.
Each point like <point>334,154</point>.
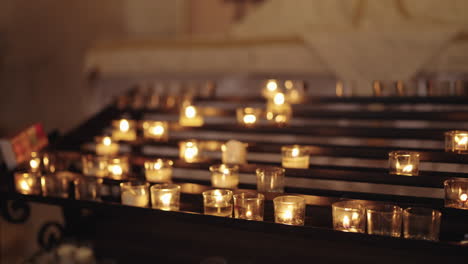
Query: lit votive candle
<point>224,176</point>
<point>94,165</point>
<point>190,117</point>
<point>124,130</point>
<point>189,151</point>
<point>249,206</point>
<point>278,111</point>
<point>403,163</point>
<point>270,88</point>
<point>234,152</point>
<point>118,168</point>
<point>349,216</point>
<point>218,202</point>
<point>456,141</point>
<point>157,130</point>
<point>135,193</point>
<point>159,170</point>
<point>456,193</point>
<point>270,179</point>
<point>289,210</point>
<point>35,162</point>
<point>248,116</point>
<point>28,183</point>
<point>165,197</point>
<point>105,146</point>
<point>295,156</point>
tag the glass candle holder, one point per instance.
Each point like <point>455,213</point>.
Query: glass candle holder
<point>456,193</point>
<point>224,176</point>
<point>58,184</point>
<point>279,112</point>
<point>234,152</point>
<point>349,216</point>
<point>189,150</point>
<point>456,141</point>
<point>290,210</point>
<point>95,165</point>
<point>421,223</point>
<point>218,202</point>
<point>124,130</point>
<point>384,220</point>
<point>49,162</point>
<point>28,183</point>
<point>270,179</point>
<point>165,197</point>
<point>135,193</point>
<point>295,91</point>
<point>35,162</point>
<point>270,88</point>
<point>118,168</point>
<point>190,117</point>
<point>87,188</point>
<point>157,130</point>
<point>249,206</point>
<point>159,170</point>
<point>403,163</point>
<point>295,156</point>
<point>248,116</point>
<point>105,146</point>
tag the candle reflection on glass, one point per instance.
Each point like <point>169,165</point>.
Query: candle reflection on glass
<point>349,216</point>
<point>456,141</point>
<point>404,163</point>
<point>456,193</point>
<point>289,210</point>
<point>28,183</point>
<point>165,197</point>
<point>189,151</point>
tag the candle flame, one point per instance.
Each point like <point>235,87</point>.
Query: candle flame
<point>408,168</point>
<point>346,222</point>
<point>34,164</point>
<point>157,165</point>
<point>288,213</point>
<point>272,85</point>
<point>288,84</point>
<point>124,125</point>
<point>107,141</point>
<point>25,186</point>
<point>248,214</point>
<point>218,196</point>
<point>295,152</point>
<point>463,197</point>
<point>116,170</point>
<point>190,111</point>
<point>461,139</point>
<point>279,99</point>
<point>191,151</point>
<point>166,199</point>
<point>157,130</point>
<point>280,119</point>
<point>250,119</point>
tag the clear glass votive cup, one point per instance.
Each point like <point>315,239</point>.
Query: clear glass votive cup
<point>88,188</point>
<point>290,210</point>
<point>28,183</point>
<point>248,116</point>
<point>57,184</point>
<point>349,216</point>
<point>224,176</point>
<point>295,156</point>
<point>165,197</point>
<point>218,202</point>
<point>270,179</point>
<point>135,193</point>
<point>159,170</point>
<point>421,223</point>
<point>384,219</point>
<point>456,193</point>
<point>189,150</point>
<point>456,141</point>
<point>94,165</point>
<point>249,206</point>
<point>157,130</point>
<point>403,163</point>
<point>118,167</point>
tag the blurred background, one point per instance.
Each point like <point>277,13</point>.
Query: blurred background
<point>61,61</point>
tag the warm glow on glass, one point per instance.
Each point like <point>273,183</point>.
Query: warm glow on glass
<point>190,111</point>
<point>24,186</point>
<point>279,99</point>
<point>295,152</point>
<point>463,197</point>
<point>191,151</point>
<point>272,85</point>
<point>34,164</point>
<point>116,170</point>
<point>124,125</point>
<point>107,141</point>
<point>166,199</point>
<point>157,130</point>
<point>288,84</point>
<point>250,119</point>
<point>461,139</point>
<point>346,222</point>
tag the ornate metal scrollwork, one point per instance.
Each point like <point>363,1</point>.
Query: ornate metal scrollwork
<point>15,211</point>
<point>50,235</point>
